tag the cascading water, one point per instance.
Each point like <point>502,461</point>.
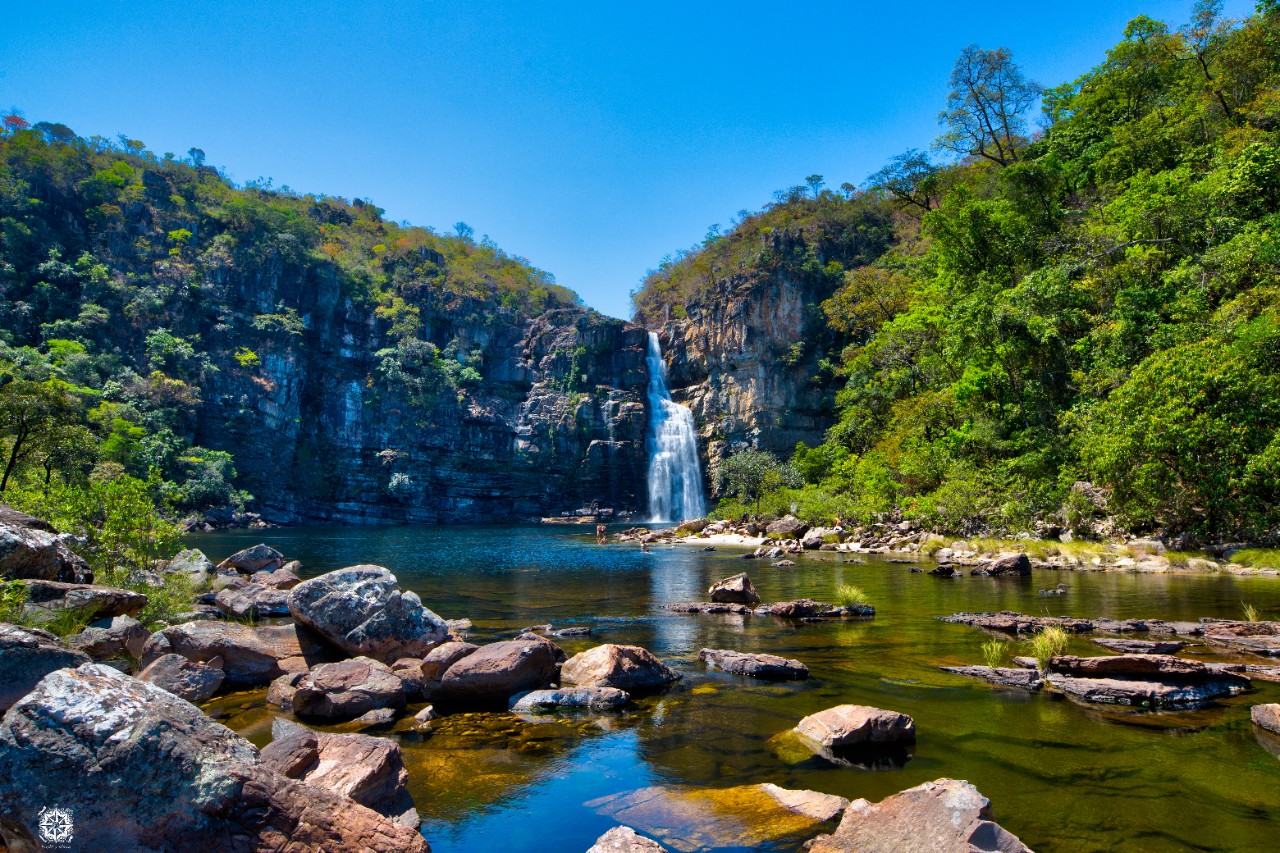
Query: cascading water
<point>675,474</point>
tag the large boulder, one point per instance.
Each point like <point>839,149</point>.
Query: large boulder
<point>28,655</point>
<point>335,692</point>
<point>31,548</point>
<point>191,563</point>
<point>123,637</point>
<point>369,770</point>
<point>592,698</point>
<point>363,611</point>
<point>1012,564</point>
<point>46,600</point>
<point>146,771</point>
<point>185,679</point>
<point>498,671</point>
<point>256,559</point>
<point>251,658</point>
<point>628,668</point>
<point>624,839</point>
<point>769,667</point>
<point>252,601</point>
<point>735,590</point>
<point>943,816</point>
<point>1266,717</point>
<point>847,726</point>
<point>787,527</point>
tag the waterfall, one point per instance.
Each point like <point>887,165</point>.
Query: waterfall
<point>675,475</point>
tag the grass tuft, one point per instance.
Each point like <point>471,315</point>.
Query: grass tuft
<point>848,595</point>
<point>993,652</point>
<point>1048,644</point>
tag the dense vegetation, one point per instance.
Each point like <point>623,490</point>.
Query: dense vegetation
<point>128,283</point>
<point>1072,324</point>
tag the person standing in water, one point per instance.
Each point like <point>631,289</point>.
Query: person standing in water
<point>600,537</point>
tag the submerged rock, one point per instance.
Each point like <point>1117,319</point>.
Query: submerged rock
<point>593,698</point>
<point>334,692</point>
<point>1140,647</point>
<point>150,771</point>
<point>628,668</point>
<point>737,589</point>
<point>363,611</point>
<point>770,667</point>
<point>28,655</point>
<point>1021,678</point>
<point>185,679</point>
<point>624,839</point>
<point>943,816</point>
<point>807,608</point>
<point>819,806</point>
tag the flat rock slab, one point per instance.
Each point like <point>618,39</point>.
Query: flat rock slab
<point>855,725</point>
<point>768,667</point>
<point>1020,678</point>
<point>624,839</point>
<point>1009,622</point>
<point>1147,694</point>
<point>943,816</point>
<point>1162,667</point>
<point>589,698</point>
<point>707,607</point>
<point>812,804</point>
<point>1266,646</point>
<point>807,608</point>
<point>1140,647</point>
<point>1266,717</point>
<point>47,599</point>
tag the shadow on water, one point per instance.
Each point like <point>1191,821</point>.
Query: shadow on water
<point>1061,776</point>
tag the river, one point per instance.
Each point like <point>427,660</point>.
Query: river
<point>1061,776</point>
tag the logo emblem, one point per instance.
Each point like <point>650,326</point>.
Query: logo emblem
<point>56,826</point>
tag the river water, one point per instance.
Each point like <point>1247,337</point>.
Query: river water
<point>1061,776</point>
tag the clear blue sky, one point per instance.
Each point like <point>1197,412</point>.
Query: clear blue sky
<point>592,138</point>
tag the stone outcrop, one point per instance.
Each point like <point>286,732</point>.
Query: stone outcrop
<point>592,698</point>
<point>735,590</point>
<point>363,611</point>
<point>628,668</point>
<point>768,667</point>
<point>369,770</point>
<point>185,679</point>
<point>190,783</point>
<point>624,839</point>
<point>28,655</point>
<point>344,690</point>
<point>498,671</point>
<point>31,548</point>
<point>943,816</point>
<point>47,599</point>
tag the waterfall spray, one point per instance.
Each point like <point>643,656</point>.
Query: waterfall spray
<point>675,474</point>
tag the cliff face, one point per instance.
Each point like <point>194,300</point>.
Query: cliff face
<point>744,361</point>
<point>319,433</point>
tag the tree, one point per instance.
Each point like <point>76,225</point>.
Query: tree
<point>748,474</point>
<point>987,105</point>
<point>910,178</point>
<point>30,413</point>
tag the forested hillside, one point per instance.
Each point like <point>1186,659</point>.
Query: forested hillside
<point>1078,318</point>
<point>168,333</point>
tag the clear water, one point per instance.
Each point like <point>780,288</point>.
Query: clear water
<point>675,471</point>
<point>1061,776</point>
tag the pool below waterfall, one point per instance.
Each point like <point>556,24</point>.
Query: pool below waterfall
<point>1062,776</point>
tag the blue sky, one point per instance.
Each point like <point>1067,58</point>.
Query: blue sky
<point>592,138</point>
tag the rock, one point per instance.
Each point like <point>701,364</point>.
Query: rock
<point>123,637</point>
<point>855,725</point>
<point>256,559</point>
<point>1266,717</point>
<point>47,599</point>
<point>943,816</point>
<point>813,540</point>
<point>334,692</point>
<point>227,579</point>
<point>282,579</point>
<point>628,668</point>
<point>1160,666</point>
<point>250,658</point>
<point>31,548</point>
<point>1013,564</point>
<point>28,655</point>
<point>253,601</point>
<point>783,564</point>
<point>441,658</point>
<point>426,715</point>
<point>369,770</point>
<point>295,647</point>
<point>593,698</point>
<point>280,693</point>
<point>363,611</point>
<point>1140,647</point>
<point>377,718</point>
<point>1147,694</point>
<point>1019,677</point>
<point>807,608</point>
<point>192,563</point>
<point>498,671</point>
<point>185,679</point>
<point>150,771</point>
<point>787,527</point>
<point>820,807</point>
<point>944,572</point>
<point>770,667</point>
<point>577,631</point>
<point>707,607</point>
<point>624,839</point>
<point>410,672</point>
<point>735,590</point>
